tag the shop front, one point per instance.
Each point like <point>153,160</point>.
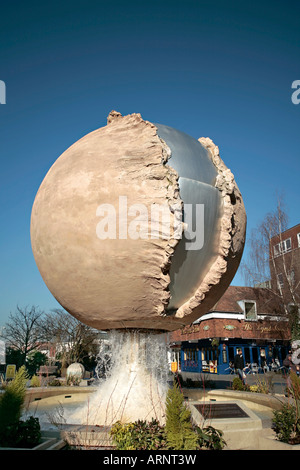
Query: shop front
<point>244,318</point>
<point>218,358</point>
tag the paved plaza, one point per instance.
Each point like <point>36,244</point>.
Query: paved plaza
<point>277,380</point>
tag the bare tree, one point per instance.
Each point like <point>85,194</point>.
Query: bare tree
<point>73,340</point>
<point>23,331</point>
<point>267,265</point>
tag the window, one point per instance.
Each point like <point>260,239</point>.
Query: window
<point>230,353</point>
<point>255,355</point>
<point>176,357</point>
<point>247,355</point>
<point>190,359</point>
<point>250,310</point>
<point>280,280</point>
<point>277,249</point>
<point>286,245</point>
<point>298,238</point>
<point>283,247</point>
<point>293,309</point>
<point>291,277</point>
<point>190,355</point>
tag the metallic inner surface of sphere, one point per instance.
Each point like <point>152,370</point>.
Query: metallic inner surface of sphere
<point>196,183</point>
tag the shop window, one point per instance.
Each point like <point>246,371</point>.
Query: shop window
<point>215,353</point>
<point>190,355</point>
<point>190,359</point>
<point>209,360</point>
<point>176,357</point>
<point>250,310</point>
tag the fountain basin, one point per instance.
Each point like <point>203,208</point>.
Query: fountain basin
<point>253,433</point>
<point>41,393</point>
<point>43,402</point>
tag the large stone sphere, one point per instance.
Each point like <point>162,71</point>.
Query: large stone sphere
<point>76,370</point>
<point>138,225</point>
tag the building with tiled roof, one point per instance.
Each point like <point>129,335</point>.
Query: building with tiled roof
<point>249,318</point>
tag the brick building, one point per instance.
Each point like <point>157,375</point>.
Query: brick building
<point>285,265</point>
<point>245,317</point>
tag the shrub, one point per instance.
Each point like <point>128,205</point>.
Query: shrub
<point>54,383</point>
<point>34,361</point>
<point>265,385</point>
<point>294,386</point>
<point>35,381</point>
<point>180,434</point>
<point>286,422</point>
<point>140,435</point>
<point>177,434</point>
<point>73,380</point>
<point>29,432</point>
<point>13,431</point>
<point>262,386</point>
<point>143,435</point>
<point>22,434</point>
<point>12,400</point>
<point>283,422</point>
<point>210,438</point>
<point>121,434</point>
<point>237,384</point>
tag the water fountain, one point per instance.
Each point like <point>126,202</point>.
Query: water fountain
<point>137,229</point>
<point>136,383</point>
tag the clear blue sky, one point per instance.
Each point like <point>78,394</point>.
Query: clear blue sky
<point>221,69</point>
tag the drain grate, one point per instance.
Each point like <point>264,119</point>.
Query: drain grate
<point>221,411</point>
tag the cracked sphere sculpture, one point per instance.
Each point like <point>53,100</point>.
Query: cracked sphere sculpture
<point>138,225</point>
